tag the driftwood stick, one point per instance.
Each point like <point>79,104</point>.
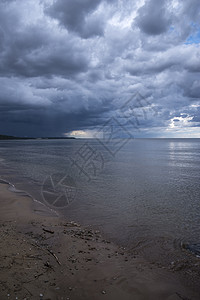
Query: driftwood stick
<point>49,231</point>
<point>53,254</point>
<point>56,258</point>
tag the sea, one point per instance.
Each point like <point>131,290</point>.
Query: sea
<point>143,194</point>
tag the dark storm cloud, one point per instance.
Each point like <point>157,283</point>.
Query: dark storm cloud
<point>78,16</point>
<point>70,65</point>
<point>33,52</point>
<point>153,18</point>
<point>34,49</point>
<point>50,119</point>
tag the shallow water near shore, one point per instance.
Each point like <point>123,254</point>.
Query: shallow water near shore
<point>145,197</point>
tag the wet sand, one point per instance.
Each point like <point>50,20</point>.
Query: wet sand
<point>44,256</point>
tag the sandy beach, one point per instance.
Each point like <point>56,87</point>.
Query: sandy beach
<point>44,256</point>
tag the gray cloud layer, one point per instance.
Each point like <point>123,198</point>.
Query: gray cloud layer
<point>70,65</point>
<point>153,18</point>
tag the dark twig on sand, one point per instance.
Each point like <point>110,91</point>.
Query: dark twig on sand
<point>50,251</point>
<point>181,297</point>
<point>49,231</point>
<point>56,258</point>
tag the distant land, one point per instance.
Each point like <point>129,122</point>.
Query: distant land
<point>9,137</point>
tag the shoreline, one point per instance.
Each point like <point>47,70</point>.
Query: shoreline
<point>47,257</point>
<point>46,210</point>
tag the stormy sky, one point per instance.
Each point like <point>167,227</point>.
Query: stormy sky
<point>71,67</point>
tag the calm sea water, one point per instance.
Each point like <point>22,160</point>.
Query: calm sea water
<point>146,197</point>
